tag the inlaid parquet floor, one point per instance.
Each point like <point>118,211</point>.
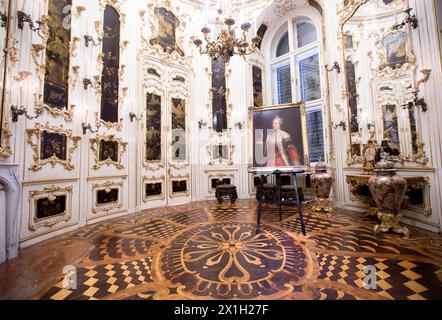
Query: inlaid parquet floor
<point>208,251</point>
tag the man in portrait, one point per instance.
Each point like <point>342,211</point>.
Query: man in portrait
<point>280,150</point>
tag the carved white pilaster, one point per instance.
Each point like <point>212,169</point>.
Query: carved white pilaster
<point>9,211</point>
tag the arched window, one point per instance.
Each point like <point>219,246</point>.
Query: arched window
<point>283,45</point>
<point>296,73</point>
<point>305,33</point>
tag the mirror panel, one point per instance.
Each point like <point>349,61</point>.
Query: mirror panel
<point>380,79</point>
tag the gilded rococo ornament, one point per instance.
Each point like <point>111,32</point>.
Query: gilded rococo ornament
<point>108,150</point>
<point>52,145</point>
<point>371,154</point>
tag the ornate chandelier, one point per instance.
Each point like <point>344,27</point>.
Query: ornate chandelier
<point>226,45</point>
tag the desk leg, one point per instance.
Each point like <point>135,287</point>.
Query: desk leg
<point>260,194</point>
<point>298,201</point>
<point>278,199</point>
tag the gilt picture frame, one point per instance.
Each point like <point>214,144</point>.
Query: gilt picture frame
<point>282,128</point>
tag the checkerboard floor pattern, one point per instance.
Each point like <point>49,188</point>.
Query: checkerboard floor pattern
<point>187,218</point>
<point>111,247</point>
<point>358,240</point>
<point>395,279</point>
<point>157,228</point>
<point>102,280</point>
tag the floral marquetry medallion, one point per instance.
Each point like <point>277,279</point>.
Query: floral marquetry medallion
<point>205,251</point>
<point>229,261</point>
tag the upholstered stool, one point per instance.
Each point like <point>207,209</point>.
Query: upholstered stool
<point>226,190</point>
<point>268,191</point>
<point>288,192</point>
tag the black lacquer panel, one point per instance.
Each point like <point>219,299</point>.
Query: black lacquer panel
<point>56,84</point>
<point>352,95</point>
<point>53,145</point>
<point>415,196</point>
<point>178,129</point>
<point>261,33</point>
<point>218,182</point>
<point>153,127</point>
<point>46,208</point>
<point>104,197</point>
<point>179,186</point>
<point>413,128</point>
<point>111,65</point>
<point>257,87</point>
<point>219,102</point>
<point>153,189</point>
<point>108,150</point>
<point>167,25</point>
<point>348,41</point>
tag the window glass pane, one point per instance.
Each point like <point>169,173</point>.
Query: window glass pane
<point>315,135</point>
<point>283,45</point>
<point>306,33</point>
<point>310,78</point>
<point>284,84</point>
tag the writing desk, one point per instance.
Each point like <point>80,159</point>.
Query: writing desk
<point>278,200</point>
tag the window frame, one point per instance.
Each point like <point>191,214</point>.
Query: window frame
<point>293,57</point>
<point>302,56</point>
<point>295,23</point>
<point>315,108</point>
<point>275,67</point>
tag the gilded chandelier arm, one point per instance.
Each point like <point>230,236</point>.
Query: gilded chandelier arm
<point>227,44</point>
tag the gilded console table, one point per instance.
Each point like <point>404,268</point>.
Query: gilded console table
<point>417,197</point>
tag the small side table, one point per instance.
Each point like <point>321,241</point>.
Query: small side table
<point>283,195</point>
<point>226,190</point>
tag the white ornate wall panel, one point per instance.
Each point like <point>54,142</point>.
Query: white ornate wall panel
<point>34,228</point>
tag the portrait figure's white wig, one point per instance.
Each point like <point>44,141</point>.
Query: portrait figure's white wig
<point>279,119</point>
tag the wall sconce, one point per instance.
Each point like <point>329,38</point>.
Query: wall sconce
<point>23,18</point>
<point>86,83</point>
<point>426,75</point>
<point>88,126</point>
<point>410,19</point>
<point>20,111</point>
<point>416,102</point>
<point>124,44</point>
<point>202,124</point>
<point>335,66</point>
<point>3,19</point>
<point>341,124</point>
<point>88,39</point>
<point>79,10</point>
<point>133,117</point>
<point>239,125</point>
<point>76,71</point>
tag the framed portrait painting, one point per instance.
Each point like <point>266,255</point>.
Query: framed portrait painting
<point>280,136</point>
